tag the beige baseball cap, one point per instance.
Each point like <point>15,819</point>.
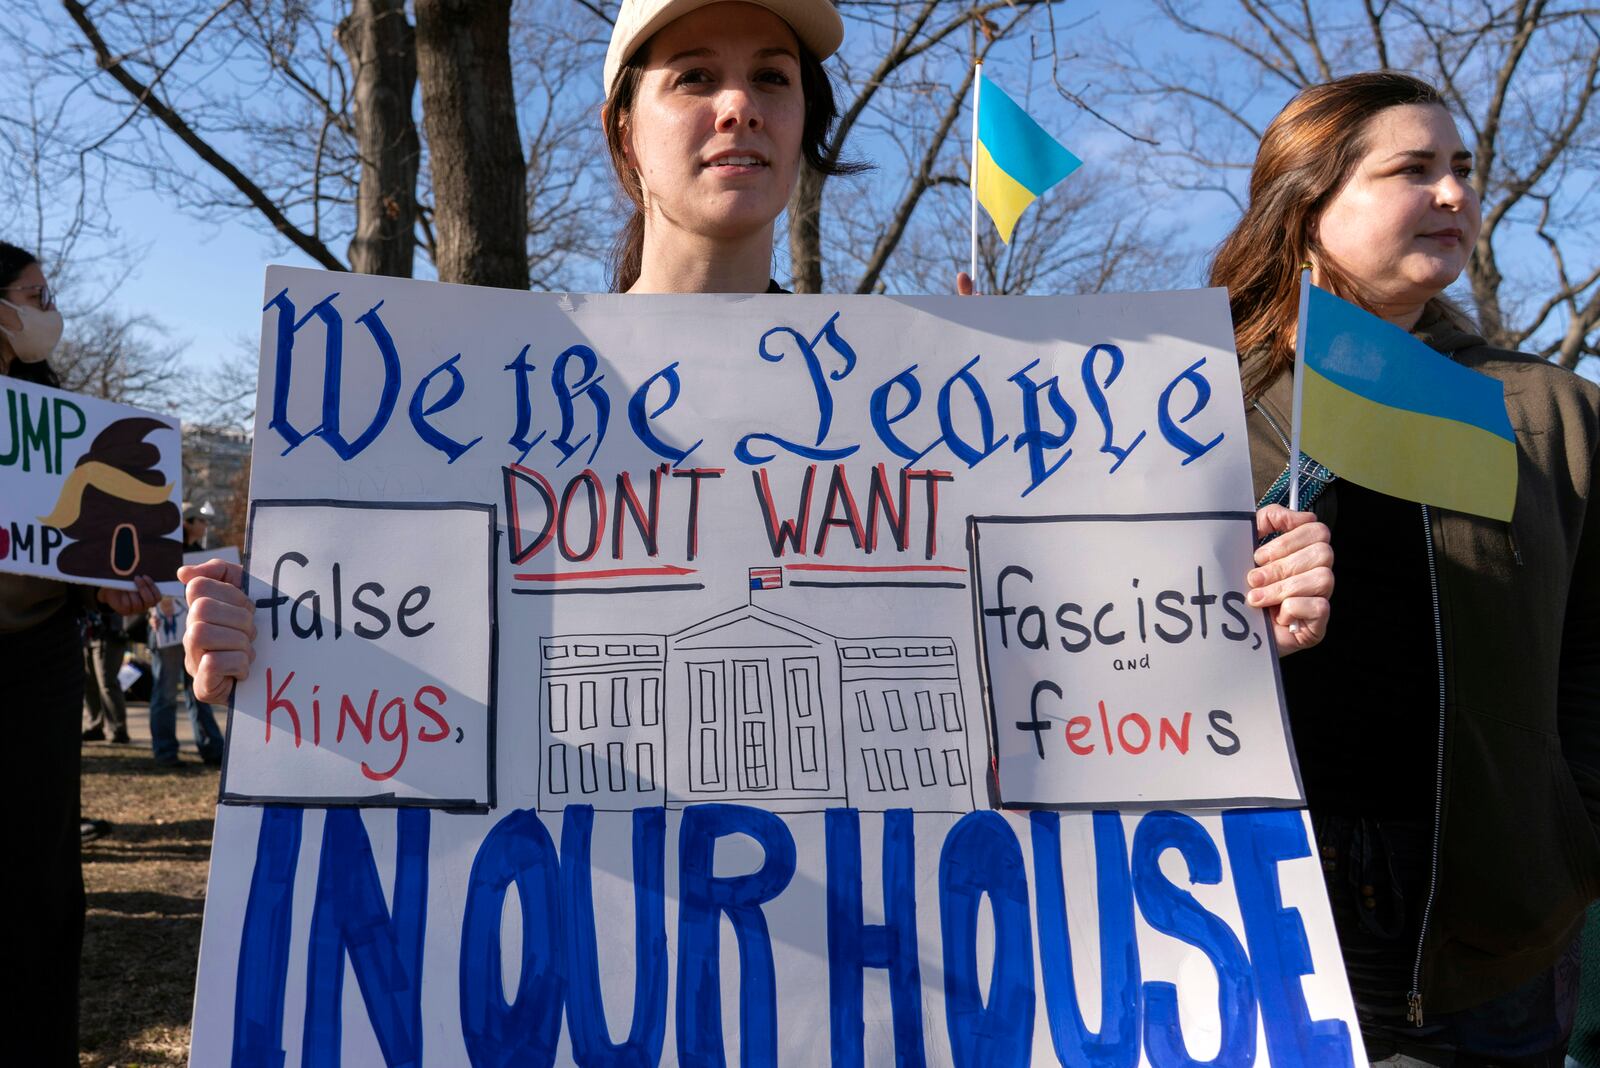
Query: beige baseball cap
<point>815,22</point>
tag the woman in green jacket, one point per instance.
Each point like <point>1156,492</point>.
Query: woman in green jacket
<point>1448,729</point>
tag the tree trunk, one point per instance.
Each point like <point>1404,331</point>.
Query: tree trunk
<point>382,49</point>
<point>805,232</point>
<point>474,149</point>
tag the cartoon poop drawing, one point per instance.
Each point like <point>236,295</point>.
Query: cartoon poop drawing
<point>116,508</point>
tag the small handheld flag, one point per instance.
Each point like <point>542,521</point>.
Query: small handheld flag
<point>766,578</point>
<point>1384,410</point>
<point>1014,161</point>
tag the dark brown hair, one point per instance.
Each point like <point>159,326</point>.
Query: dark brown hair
<point>1306,155</point>
<point>13,261</point>
<point>627,251</point>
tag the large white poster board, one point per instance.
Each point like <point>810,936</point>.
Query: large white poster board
<point>760,623</point>
<point>89,490</point>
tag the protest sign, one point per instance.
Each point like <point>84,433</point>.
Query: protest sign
<point>171,614</point>
<point>90,489</point>
<point>732,633</point>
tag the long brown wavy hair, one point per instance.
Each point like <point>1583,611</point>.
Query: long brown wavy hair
<point>1306,155</point>
<point>627,251</point>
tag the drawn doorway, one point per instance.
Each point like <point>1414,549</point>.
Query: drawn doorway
<point>752,703</point>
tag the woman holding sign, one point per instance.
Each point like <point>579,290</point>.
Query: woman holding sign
<point>1448,730</point>
<point>41,674</point>
<point>711,110</point>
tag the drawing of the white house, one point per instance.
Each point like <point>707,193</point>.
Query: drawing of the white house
<point>755,707</point>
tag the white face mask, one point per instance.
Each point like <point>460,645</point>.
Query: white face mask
<point>38,335</point>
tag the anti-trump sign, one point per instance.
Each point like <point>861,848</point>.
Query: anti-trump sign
<point>771,680</point>
<point>89,490</point>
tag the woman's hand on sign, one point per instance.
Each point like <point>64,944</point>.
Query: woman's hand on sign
<point>1293,576</point>
<point>964,284</point>
<point>219,641</point>
<point>130,602</point>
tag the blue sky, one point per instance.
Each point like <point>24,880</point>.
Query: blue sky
<point>202,280</point>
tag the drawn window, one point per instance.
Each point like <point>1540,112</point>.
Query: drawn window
<point>807,737</point>
<point>619,701</point>
<point>897,768</point>
<point>586,650</point>
<point>755,755</point>
<point>925,710</point>
<point>944,650</point>
<point>557,692</point>
<point>618,650</point>
<point>916,650</point>
<point>586,776</point>
<point>650,707</point>
<point>874,770</point>
<point>586,718</point>
<point>886,652</point>
<point>952,713</point>
<point>925,767</point>
<point>646,756</point>
<point>799,694</point>
<point>618,767</point>
<point>854,652</point>
<point>708,697</point>
<point>897,710</point>
<point>955,767</point>
<point>555,652</point>
<point>558,768</point>
<point>710,769</point>
<point>647,650</point>
<point>864,710</point>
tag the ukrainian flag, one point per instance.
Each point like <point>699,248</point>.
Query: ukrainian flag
<point>1386,411</point>
<point>1014,160</point>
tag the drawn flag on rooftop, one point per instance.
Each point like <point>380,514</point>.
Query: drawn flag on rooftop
<point>1014,161</point>
<point>1379,407</point>
<point>766,578</point>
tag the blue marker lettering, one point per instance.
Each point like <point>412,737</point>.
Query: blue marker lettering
<point>981,856</point>
<point>639,415</point>
<point>1116,1045</point>
<point>1097,399</point>
<point>854,945</point>
<point>882,421</point>
<point>384,946</point>
<point>819,386</point>
<point>703,899</point>
<point>452,448</point>
<point>1033,437</point>
<point>264,942</point>
<point>524,1030</point>
<point>1174,911</point>
<point>333,378</point>
<point>519,440</point>
<point>588,385</point>
<point>1258,840</point>
<point>1190,446</point>
<point>586,1011</point>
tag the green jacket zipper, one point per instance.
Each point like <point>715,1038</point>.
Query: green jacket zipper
<point>1414,1000</point>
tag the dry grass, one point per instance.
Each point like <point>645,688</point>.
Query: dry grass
<point>146,884</point>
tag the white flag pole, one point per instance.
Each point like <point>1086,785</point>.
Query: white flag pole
<point>977,85</point>
<point>1299,388</point>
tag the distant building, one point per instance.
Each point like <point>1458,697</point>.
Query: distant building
<point>752,706</point>
<point>214,458</point>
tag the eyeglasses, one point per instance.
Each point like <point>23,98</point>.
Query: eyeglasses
<point>47,299</point>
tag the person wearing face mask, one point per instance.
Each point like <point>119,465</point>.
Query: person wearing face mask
<point>41,674</point>
<point>1448,729</point>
